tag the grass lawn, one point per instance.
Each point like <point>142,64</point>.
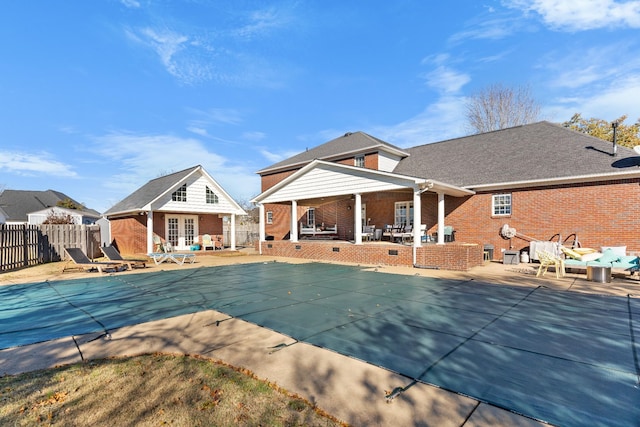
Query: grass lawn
<point>151,390</point>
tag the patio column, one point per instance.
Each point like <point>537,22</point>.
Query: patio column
<point>417,218</point>
<point>261,230</point>
<point>149,232</point>
<point>293,234</point>
<point>441,218</point>
<point>233,232</point>
<point>357,219</point>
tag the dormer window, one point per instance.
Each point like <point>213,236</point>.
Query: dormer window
<point>180,195</point>
<point>212,198</point>
<point>359,161</point>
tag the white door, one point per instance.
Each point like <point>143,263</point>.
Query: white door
<point>181,230</point>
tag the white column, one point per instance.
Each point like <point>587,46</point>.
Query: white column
<point>357,219</point>
<point>233,231</point>
<point>417,219</point>
<point>150,247</point>
<point>293,230</point>
<point>261,231</point>
<point>441,218</point>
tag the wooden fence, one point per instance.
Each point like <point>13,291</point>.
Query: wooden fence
<point>27,245</point>
<point>246,234</point>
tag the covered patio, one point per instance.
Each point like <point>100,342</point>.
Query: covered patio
<point>322,183</point>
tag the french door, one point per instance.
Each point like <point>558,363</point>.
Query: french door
<point>181,230</point>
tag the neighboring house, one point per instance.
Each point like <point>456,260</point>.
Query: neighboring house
<point>544,180</point>
<point>76,215</point>
<point>178,208</point>
<point>16,205</point>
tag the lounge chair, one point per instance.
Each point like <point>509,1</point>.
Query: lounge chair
<point>82,261</point>
<point>113,255</point>
<point>160,257</point>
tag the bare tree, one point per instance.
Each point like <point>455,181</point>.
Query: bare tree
<point>499,107</point>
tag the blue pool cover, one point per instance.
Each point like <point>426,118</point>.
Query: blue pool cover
<point>565,358</point>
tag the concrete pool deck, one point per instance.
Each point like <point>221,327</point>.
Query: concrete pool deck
<point>349,389</point>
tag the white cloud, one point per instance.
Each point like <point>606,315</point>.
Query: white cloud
<point>132,4</point>
<point>617,99</point>
<point>274,157</point>
<point>263,21</point>
<point>179,56</point>
<point>439,121</point>
<point>145,157</point>
<point>253,136</point>
<point>198,131</point>
<point>580,15</point>
<point>443,78</point>
<point>29,164</point>
<point>446,80</point>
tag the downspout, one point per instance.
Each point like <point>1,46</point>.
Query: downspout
<point>261,232</point>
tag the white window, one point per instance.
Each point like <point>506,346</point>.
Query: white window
<point>212,198</point>
<point>269,217</point>
<point>180,195</point>
<point>501,204</point>
<point>359,161</point>
<point>404,213</point>
<point>311,217</point>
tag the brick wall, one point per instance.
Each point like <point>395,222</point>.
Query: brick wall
<point>460,257</point>
<point>600,214</point>
<point>130,234</point>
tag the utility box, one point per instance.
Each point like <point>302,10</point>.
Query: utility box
<point>511,257</point>
<point>489,251</point>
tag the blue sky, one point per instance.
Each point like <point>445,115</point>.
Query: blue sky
<point>98,97</point>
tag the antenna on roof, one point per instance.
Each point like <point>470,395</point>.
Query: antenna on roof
<point>614,125</point>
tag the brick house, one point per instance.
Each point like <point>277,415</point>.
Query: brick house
<point>179,208</point>
<point>543,180</point>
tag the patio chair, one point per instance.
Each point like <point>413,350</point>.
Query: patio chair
<point>82,261</point>
<point>113,255</point>
<point>208,242</point>
<point>407,234</point>
<point>549,260</point>
<point>368,232</point>
<point>449,234</point>
<point>157,242</point>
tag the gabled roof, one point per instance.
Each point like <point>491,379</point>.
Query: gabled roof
<point>535,153</point>
<point>310,182</point>
<point>347,145</point>
<point>143,198</point>
<point>17,204</point>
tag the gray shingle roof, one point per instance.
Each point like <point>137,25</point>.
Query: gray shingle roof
<point>149,192</point>
<point>345,145</point>
<point>18,203</point>
<point>537,151</point>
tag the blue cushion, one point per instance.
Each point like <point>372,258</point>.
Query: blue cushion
<point>608,256</point>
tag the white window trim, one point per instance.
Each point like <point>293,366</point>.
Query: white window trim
<point>269,217</point>
<point>409,208</point>
<point>358,161</point>
<point>494,206</point>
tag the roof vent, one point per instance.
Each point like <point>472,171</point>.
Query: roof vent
<point>348,133</point>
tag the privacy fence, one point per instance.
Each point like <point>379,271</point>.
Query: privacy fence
<point>246,234</point>
<point>27,245</point>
